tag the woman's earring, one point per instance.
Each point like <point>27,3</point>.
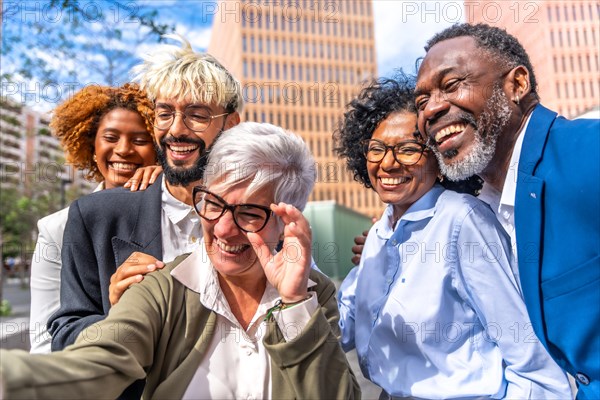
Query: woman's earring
<point>517,100</point>
<point>95,159</point>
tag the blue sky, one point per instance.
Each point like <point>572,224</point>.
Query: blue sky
<point>401,26</point>
<point>401,29</point>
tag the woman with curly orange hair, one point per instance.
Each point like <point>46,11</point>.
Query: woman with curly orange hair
<point>105,131</point>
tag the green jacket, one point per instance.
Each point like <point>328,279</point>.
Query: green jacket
<point>160,330</point>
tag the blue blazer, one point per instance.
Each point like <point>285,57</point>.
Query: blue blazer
<point>557,217</point>
<point>102,231</point>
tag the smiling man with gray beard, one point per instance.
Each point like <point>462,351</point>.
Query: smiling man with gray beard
<point>542,178</point>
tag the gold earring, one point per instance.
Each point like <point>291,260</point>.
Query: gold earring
<point>95,159</point>
<point>517,100</point>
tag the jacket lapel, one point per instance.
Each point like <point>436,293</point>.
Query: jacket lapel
<point>146,234</point>
<point>529,203</point>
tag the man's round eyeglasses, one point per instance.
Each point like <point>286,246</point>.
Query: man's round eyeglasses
<point>196,119</point>
<point>247,217</point>
<point>406,153</point>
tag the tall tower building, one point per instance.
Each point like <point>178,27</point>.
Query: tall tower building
<point>300,62</point>
<point>562,38</point>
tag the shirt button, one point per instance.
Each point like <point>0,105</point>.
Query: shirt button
<point>249,352</point>
<point>193,239</point>
<point>582,378</point>
<point>394,242</point>
<point>506,214</point>
<point>533,195</point>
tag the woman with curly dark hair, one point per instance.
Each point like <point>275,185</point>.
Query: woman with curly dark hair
<point>431,304</point>
<point>107,132</point>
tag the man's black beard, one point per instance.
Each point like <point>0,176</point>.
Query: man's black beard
<point>179,176</point>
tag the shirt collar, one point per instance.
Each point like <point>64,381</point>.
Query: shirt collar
<point>421,209</point>
<point>175,209</point>
<point>510,183</point>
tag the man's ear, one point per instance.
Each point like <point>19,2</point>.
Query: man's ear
<point>232,120</point>
<point>520,83</point>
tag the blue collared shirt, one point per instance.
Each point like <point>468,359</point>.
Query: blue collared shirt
<point>434,309</point>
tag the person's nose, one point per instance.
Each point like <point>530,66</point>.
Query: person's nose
<point>124,147</point>
<point>389,161</point>
<point>178,128</point>
<point>225,226</point>
<point>436,106</point>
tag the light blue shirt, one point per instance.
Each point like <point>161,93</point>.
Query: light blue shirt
<point>434,309</point>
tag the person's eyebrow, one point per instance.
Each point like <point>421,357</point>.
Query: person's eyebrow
<point>437,76</point>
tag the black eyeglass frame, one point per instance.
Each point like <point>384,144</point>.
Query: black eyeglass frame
<point>365,144</point>
<point>184,117</point>
<point>230,207</point>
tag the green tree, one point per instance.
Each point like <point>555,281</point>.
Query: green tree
<point>64,44</point>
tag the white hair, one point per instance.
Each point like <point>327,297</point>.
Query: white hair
<point>265,157</point>
<point>180,72</point>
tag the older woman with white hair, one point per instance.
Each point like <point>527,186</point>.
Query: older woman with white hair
<point>235,318</point>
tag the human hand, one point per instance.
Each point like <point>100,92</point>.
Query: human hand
<point>359,244</point>
<point>143,177</point>
<point>357,249</point>
<point>130,272</point>
<point>288,269</point>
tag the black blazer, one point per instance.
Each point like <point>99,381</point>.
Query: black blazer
<point>102,231</point>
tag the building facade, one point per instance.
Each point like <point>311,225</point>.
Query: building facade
<point>31,159</point>
<point>300,63</point>
<point>562,38</point>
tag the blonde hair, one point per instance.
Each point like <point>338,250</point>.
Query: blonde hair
<point>179,72</point>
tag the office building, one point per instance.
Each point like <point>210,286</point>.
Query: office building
<point>300,63</point>
<point>563,42</point>
<point>31,159</point>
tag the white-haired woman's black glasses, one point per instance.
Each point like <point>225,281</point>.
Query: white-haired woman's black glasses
<point>247,217</point>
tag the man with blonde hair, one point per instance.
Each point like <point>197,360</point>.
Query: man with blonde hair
<point>195,100</point>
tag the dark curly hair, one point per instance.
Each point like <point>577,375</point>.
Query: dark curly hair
<point>75,122</point>
<point>375,103</point>
<point>495,40</point>
<point>378,100</point>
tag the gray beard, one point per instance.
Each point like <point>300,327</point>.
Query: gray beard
<point>488,128</point>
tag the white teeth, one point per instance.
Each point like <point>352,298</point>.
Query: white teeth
<point>231,249</point>
<point>449,130</point>
<point>123,166</point>
<point>182,149</point>
<point>394,181</point>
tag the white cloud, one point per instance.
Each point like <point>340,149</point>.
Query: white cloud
<point>198,36</point>
<point>402,28</point>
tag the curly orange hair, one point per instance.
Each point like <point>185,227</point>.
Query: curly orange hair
<point>76,120</point>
